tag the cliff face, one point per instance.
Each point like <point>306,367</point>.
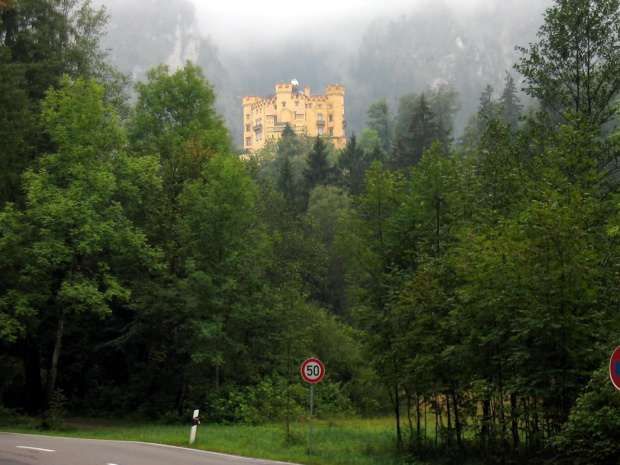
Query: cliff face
<point>143,34</point>
<point>467,49</point>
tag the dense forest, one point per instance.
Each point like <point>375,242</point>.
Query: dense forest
<point>466,285</point>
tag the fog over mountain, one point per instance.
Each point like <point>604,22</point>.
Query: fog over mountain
<point>376,53</point>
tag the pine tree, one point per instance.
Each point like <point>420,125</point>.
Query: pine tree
<point>318,170</point>
<point>422,132</point>
<point>352,165</point>
<point>287,184</point>
<point>511,106</point>
<point>379,120</point>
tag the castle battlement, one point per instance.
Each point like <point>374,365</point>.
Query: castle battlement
<point>312,115</point>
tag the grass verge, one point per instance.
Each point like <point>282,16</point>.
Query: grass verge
<point>336,442</point>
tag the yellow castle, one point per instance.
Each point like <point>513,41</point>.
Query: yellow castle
<point>311,115</point>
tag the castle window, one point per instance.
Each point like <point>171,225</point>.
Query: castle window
<point>296,103</point>
<point>247,116</point>
<point>331,118</point>
<point>283,104</point>
<point>248,141</point>
<point>320,106</point>
<point>247,128</point>
<point>331,131</point>
<point>320,131</point>
<point>319,116</point>
<point>330,106</point>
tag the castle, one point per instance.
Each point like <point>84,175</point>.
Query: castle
<point>311,115</point>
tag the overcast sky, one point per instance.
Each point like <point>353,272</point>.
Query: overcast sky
<point>252,23</point>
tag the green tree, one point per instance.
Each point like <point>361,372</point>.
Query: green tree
<point>224,253</point>
<point>575,66</point>
<point>176,121</point>
<point>73,245</point>
<point>368,249</point>
<point>444,100</point>
<point>18,130</point>
<point>327,205</point>
<point>422,132</point>
<point>172,108</point>
<point>43,40</point>
<point>406,108</point>
<point>352,165</point>
<point>287,184</point>
<point>318,169</point>
<point>54,38</point>
<point>510,107</point>
<point>369,139</point>
<point>380,121</point>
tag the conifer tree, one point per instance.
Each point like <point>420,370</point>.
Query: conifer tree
<point>317,170</point>
<point>511,106</point>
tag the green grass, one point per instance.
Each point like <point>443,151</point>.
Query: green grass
<point>336,442</point>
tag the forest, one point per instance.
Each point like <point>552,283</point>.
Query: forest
<point>464,284</point>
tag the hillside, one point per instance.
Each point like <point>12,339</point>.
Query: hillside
<point>465,48</point>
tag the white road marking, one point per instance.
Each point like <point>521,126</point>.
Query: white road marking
<point>36,448</point>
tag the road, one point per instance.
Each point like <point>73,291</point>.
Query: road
<point>26,449</point>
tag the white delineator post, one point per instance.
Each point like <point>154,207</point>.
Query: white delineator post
<point>195,421</point>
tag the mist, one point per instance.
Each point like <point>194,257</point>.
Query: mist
<point>376,49</point>
<point>239,25</point>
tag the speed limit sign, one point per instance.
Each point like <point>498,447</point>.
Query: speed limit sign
<point>312,370</point>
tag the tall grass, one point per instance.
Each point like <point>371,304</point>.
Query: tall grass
<point>336,442</point>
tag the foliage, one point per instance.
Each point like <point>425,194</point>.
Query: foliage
<point>423,120</point>
<point>592,431</point>
<point>472,292</point>
<point>380,122</point>
<point>574,67</point>
<point>55,416</point>
<point>73,245</point>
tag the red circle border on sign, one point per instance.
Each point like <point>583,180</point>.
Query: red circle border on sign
<point>303,374</point>
<point>615,357</point>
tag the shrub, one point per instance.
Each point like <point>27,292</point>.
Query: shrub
<point>592,433</point>
<point>54,416</point>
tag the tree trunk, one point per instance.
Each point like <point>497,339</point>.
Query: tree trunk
<point>457,419</point>
<point>514,421</point>
<point>449,414</point>
<point>51,379</point>
<point>486,419</point>
<point>396,402</point>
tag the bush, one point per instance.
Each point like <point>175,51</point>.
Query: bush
<point>592,433</point>
<point>12,417</point>
<point>271,401</point>
<point>54,416</point>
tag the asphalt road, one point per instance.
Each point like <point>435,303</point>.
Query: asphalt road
<point>26,449</point>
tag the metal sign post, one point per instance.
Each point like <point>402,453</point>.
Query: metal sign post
<point>312,371</point>
<point>311,408</point>
<point>195,423</point>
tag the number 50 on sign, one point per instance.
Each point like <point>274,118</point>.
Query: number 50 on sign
<point>312,370</point>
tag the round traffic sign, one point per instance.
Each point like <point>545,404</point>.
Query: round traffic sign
<point>312,370</point>
<point>614,368</point>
